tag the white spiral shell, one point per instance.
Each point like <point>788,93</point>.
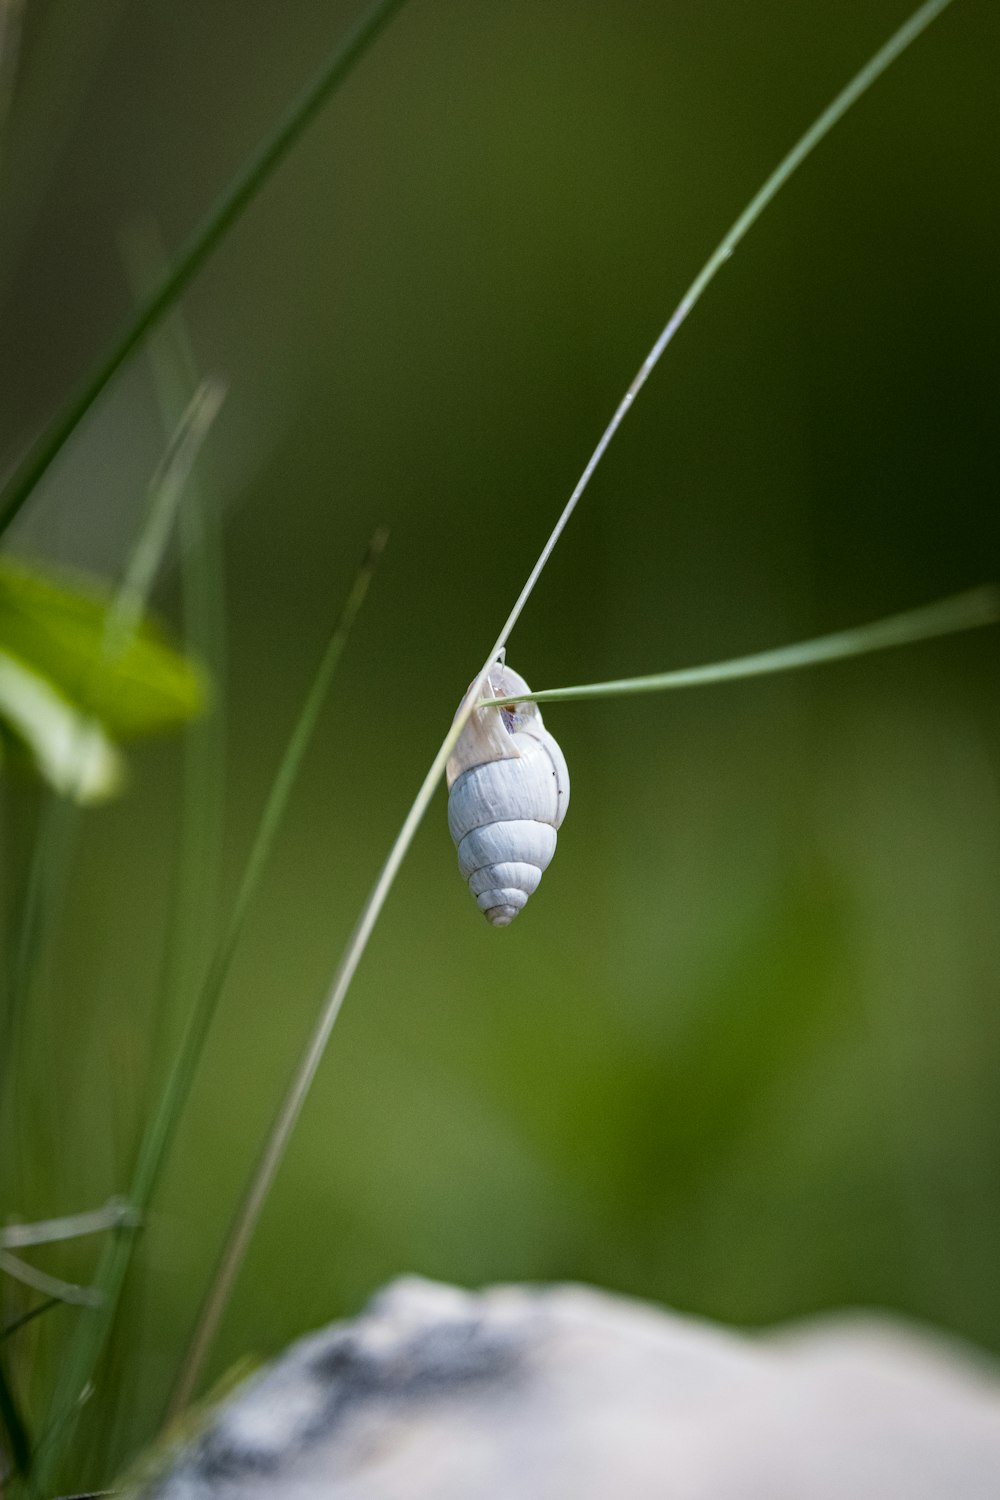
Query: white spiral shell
<point>508,791</point>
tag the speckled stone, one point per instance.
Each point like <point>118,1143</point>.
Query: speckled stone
<point>566,1393</point>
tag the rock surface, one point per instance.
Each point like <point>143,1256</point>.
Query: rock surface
<point>564,1393</point>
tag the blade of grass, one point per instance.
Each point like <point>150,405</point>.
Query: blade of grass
<point>16,1324</point>
<point>245,1220</point>
<point>945,617</point>
<point>195,878</point>
<point>71,1227</point>
<point>40,909</point>
<point>271,818</point>
<point>167,486</point>
<point>50,1286</point>
<point>195,883</point>
<point>53,843</point>
<point>79,1366</point>
<point>228,208</point>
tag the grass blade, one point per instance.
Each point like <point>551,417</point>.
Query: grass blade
<point>51,1286</point>
<point>72,1227</point>
<point>51,855</point>
<point>961,612</point>
<point>193,899</point>
<point>175,1096</point>
<point>194,895</point>
<point>159,1137</point>
<point>166,489</point>
<point>192,256</point>
<point>16,1324</point>
<point>247,1215</point>
<point>821,127</point>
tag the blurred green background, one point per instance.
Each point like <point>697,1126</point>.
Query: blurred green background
<point>741,1054</point>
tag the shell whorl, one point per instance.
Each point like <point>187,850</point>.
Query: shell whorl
<point>508,793</point>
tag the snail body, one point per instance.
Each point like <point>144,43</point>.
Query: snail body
<point>508,791</point>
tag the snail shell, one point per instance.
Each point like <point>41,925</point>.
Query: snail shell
<point>508,791</point>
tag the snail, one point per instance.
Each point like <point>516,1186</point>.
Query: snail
<point>508,791</point>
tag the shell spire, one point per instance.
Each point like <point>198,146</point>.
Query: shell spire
<point>508,791</point>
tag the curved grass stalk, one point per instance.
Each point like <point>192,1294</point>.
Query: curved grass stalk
<point>51,1286</point>
<point>113,1215</point>
<point>245,1221</point>
<point>224,214</point>
<point>947,616</point>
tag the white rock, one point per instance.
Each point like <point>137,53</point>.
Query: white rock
<point>564,1393</point>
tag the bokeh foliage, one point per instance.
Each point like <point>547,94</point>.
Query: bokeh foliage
<point>741,1053</point>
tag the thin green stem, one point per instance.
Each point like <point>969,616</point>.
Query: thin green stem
<point>166,488</point>
<point>16,1324</point>
<point>124,615</point>
<point>848,96</point>
<point>44,898</point>
<point>946,617</point>
<point>194,884</point>
<point>199,837</point>
<point>81,1362</point>
<point>51,1286</point>
<point>71,1227</point>
<point>163,1127</point>
<point>233,202</point>
<point>248,1214</point>
<point>245,1221</point>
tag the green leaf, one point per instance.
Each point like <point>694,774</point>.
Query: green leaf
<point>55,626</point>
<point>69,749</point>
